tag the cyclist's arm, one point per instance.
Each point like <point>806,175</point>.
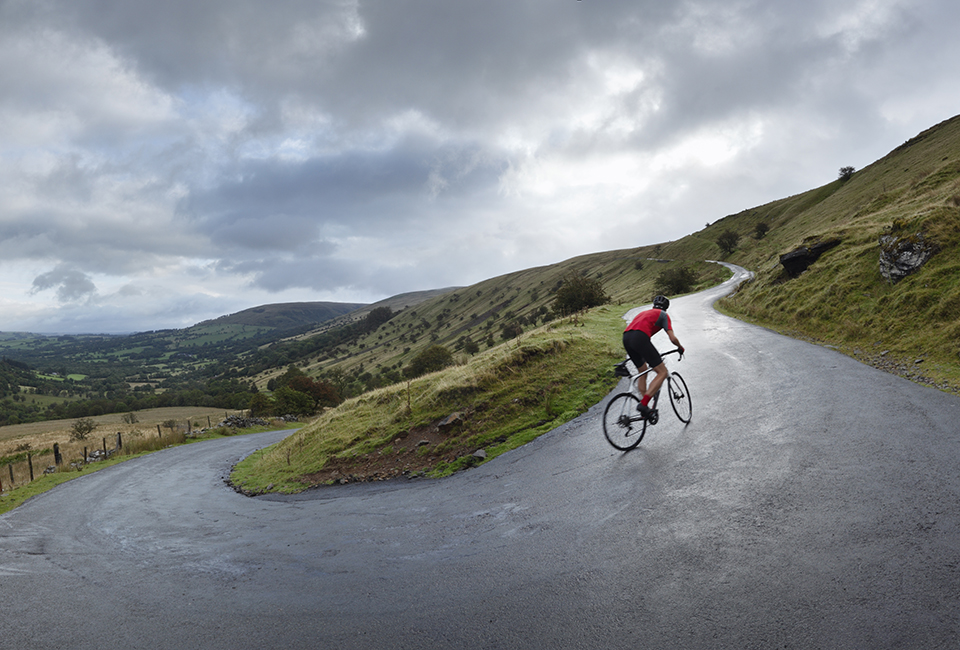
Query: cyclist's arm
<point>675,340</point>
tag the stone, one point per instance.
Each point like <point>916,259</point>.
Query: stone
<point>799,260</point>
<point>901,256</point>
<point>452,420</point>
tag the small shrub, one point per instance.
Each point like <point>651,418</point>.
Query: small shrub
<point>435,357</point>
<point>728,240</point>
<point>578,292</point>
<point>82,428</point>
<point>671,282</point>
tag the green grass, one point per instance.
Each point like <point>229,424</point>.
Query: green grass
<point>509,395</point>
<point>842,300</point>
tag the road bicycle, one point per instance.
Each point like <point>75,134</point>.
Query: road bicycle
<point>624,426</point>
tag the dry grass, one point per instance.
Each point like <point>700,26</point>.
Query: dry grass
<point>39,438</point>
<point>44,434</point>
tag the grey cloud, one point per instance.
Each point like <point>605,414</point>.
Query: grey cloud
<point>71,285</point>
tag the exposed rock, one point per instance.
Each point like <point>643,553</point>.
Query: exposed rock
<point>901,256</point>
<point>799,260</point>
<point>480,454</point>
<point>452,420</point>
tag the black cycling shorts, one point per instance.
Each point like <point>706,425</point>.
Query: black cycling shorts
<point>640,349</point>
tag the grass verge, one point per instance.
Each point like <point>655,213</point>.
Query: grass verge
<point>495,401</point>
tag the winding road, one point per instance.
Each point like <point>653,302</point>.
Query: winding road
<point>813,502</point>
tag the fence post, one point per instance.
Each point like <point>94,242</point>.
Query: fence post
<point>119,441</point>
<point>159,433</point>
<point>12,482</point>
<point>30,463</point>
<point>104,448</point>
<point>85,456</point>
<point>57,458</point>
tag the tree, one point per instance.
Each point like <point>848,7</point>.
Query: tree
<point>578,292</point>
<point>260,404</point>
<point>728,240</point>
<point>761,229</point>
<point>288,401</point>
<point>436,357</point>
<point>377,317</point>
<point>322,393</point>
<point>845,173</point>
<point>82,428</point>
<point>671,282</point>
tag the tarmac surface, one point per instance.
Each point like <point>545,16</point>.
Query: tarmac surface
<point>812,502</point>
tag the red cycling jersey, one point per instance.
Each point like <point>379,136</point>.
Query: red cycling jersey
<point>650,322</point>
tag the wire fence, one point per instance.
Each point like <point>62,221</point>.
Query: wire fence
<point>26,465</point>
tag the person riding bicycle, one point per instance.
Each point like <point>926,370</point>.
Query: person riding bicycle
<point>636,341</point>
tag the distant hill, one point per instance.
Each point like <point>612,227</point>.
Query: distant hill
<point>286,316</point>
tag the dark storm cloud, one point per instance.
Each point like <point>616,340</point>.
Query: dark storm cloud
<point>363,192</point>
<point>240,152</point>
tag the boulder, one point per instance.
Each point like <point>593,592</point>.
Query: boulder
<point>901,256</point>
<point>452,420</point>
<point>799,260</point>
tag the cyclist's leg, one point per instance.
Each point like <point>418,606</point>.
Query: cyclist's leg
<point>641,346</point>
<point>642,379</point>
<point>654,386</point>
<point>635,343</point>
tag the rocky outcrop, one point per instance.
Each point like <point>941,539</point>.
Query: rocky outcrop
<point>902,255</point>
<point>454,420</point>
<point>799,260</point>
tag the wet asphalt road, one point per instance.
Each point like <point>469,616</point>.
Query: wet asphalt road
<point>813,502</point>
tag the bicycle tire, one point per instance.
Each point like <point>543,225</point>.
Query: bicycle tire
<point>679,397</point>
<point>622,424</point>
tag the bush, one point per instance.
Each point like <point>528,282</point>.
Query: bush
<point>436,357</point>
<point>671,282</point>
<point>728,240</point>
<point>578,292</point>
<point>511,331</point>
<point>82,428</point>
<point>845,173</point>
<point>761,229</point>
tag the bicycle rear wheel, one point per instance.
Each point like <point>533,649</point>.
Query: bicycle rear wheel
<point>622,424</point>
<point>679,397</point>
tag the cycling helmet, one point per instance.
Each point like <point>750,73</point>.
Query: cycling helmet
<point>661,302</point>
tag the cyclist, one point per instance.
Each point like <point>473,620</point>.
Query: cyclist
<point>636,341</point>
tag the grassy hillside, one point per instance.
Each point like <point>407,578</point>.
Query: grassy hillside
<point>476,314</point>
<point>912,327</point>
<point>284,316</point>
<point>497,401</point>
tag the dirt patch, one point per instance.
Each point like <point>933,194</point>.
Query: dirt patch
<point>410,456</point>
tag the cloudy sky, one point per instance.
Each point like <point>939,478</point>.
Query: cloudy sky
<point>166,162</point>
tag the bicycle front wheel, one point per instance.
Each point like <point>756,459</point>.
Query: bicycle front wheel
<point>679,397</point>
<point>622,424</point>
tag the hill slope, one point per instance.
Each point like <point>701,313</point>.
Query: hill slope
<point>285,316</point>
<point>911,327</point>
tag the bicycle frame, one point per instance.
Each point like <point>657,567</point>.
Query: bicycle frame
<point>623,426</point>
